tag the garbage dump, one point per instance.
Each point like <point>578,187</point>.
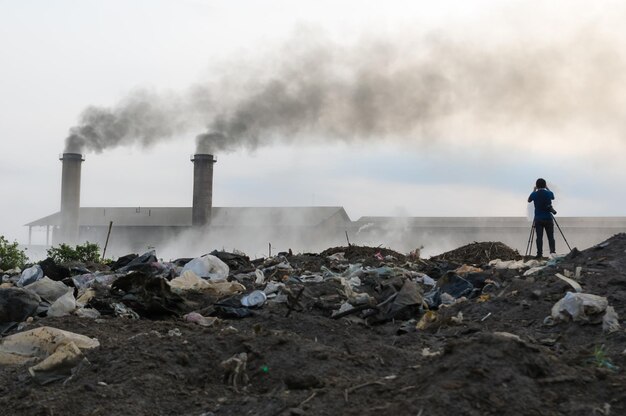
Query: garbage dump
<point>351,330</point>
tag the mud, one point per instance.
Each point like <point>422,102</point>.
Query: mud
<point>491,354</point>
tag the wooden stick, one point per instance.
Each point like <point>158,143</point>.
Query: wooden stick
<point>107,242</point>
<point>347,238</point>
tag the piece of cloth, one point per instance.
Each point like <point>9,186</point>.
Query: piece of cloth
<point>542,199</point>
<point>548,226</point>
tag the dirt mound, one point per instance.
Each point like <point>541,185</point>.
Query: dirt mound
<point>365,255</point>
<point>493,353</point>
<point>479,253</point>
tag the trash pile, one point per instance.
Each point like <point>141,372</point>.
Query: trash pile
<point>459,333</point>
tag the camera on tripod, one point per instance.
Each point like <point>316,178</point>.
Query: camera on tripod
<point>551,209</point>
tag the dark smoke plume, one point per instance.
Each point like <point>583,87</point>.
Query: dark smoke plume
<point>417,90</point>
<point>143,118</point>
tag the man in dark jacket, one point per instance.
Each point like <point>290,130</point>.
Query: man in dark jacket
<point>543,197</point>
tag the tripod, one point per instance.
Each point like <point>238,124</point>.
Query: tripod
<point>529,246</point>
<point>532,233</point>
<point>561,231</point>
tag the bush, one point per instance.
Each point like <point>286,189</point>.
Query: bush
<point>10,255</point>
<point>83,253</point>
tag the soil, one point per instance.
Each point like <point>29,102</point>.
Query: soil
<point>491,354</point>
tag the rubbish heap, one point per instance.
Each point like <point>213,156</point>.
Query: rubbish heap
<point>445,313</point>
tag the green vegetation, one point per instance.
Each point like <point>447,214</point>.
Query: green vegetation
<point>84,253</point>
<point>10,255</point>
<point>601,360</point>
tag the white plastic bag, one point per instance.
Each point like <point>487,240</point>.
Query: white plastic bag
<point>610,320</point>
<point>63,305</point>
<point>578,305</point>
<point>208,267</point>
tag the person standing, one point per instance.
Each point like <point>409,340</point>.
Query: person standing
<point>543,197</point>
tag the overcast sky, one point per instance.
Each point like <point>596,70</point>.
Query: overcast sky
<point>528,89</point>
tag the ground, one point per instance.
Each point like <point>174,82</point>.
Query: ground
<point>493,354</point>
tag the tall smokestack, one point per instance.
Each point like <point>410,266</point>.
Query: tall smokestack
<point>202,189</point>
<point>70,197</point>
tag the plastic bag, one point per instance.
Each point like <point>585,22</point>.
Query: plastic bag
<point>48,289</point>
<point>30,275</point>
<point>208,267</point>
<point>63,305</point>
<point>578,305</point>
<point>610,320</point>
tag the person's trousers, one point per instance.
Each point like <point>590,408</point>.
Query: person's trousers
<point>548,226</point>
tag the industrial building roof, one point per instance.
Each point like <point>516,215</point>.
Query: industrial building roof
<point>488,222</point>
<point>181,216</point>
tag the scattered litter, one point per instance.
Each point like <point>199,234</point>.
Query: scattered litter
<point>578,306</point>
<point>426,352</point>
<point>174,333</point>
<point>47,289</point>
<point>63,305</point>
<point>17,304</point>
<point>188,280</point>
<point>610,320</point>
<point>57,352</point>
<point>254,299</point>
<point>30,275</point>
<point>574,284</point>
<point>235,370</point>
<point>208,267</point>
<point>197,318</point>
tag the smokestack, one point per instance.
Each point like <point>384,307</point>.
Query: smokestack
<point>202,189</point>
<point>70,197</point>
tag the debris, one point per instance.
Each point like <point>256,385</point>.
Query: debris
<point>30,275</point>
<point>208,267</point>
<point>508,335</point>
<point>458,319</point>
<point>577,306</point>
<point>17,304</point>
<point>610,320</point>
<point>188,280</point>
<point>574,284</point>
<point>57,351</point>
<point>235,370</point>
<point>426,352</point>
<point>48,289</point>
<point>254,299</point>
<point>63,305</point>
<point>454,285</point>
<point>197,318</point>
<point>150,297</point>
<point>426,319</point>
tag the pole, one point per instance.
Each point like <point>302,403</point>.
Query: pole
<point>107,242</point>
<point>269,251</point>
<point>347,238</point>
<point>561,231</point>
<point>530,239</point>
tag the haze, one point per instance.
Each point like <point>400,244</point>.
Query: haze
<point>402,108</point>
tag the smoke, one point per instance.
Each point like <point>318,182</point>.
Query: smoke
<point>142,118</point>
<point>417,89</point>
<point>433,88</point>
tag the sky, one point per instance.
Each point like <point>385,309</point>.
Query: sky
<point>408,108</point>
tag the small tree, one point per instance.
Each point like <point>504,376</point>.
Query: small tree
<point>84,253</point>
<point>10,255</point>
